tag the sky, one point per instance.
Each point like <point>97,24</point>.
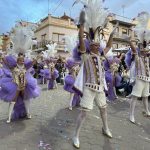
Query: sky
<point>34,10</point>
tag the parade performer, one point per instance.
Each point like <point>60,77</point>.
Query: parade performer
<point>111,65</point>
<point>90,81</point>
<point>137,59</point>
<point>1,65</point>
<point>72,67</point>
<point>18,86</point>
<point>51,74</point>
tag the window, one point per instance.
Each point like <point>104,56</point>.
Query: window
<point>11,45</point>
<point>130,32</point>
<point>57,37</point>
<point>115,46</point>
<point>117,29</point>
<point>43,37</point>
<point>124,31</point>
<point>135,35</point>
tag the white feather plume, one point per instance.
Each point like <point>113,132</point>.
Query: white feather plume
<point>21,37</point>
<point>51,50</point>
<point>45,54</point>
<point>28,54</point>
<point>96,15</point>
<point>71,42</point>
<point>141,28</point>
<point>84,2</point>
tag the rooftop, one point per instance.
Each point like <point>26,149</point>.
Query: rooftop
<point>122,20</point>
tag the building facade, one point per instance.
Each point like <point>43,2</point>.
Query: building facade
<point>124,29</point>
<point>53,29</point>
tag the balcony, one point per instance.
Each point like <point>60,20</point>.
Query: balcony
<point>122,20</point>
<point>42,46</point>
<point>121,37</point>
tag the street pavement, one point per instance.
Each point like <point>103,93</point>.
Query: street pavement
<point>53,124</point>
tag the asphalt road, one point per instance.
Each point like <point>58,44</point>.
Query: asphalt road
<point>53,124</point>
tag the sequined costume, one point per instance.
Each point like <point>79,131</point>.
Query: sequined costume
<point>111,65</point>
<point>15,79</point>
<point>51,74</point>
<point>70,80</point>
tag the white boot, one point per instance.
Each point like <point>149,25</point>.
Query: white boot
<point>132,108</point>
<point>27,107</point>
<point>76,142</point>
<point>71,99</point>
<point>105,129</point>
<point>145,102</point>
<point>55,84</point>
<point>11,107</point>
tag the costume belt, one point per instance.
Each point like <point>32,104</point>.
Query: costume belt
<point>95,87</point>
<point>145,78</point>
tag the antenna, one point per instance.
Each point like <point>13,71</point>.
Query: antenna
<point>123,8</point>
<point>48,7</point>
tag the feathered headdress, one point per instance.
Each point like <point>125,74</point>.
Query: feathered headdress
<point>71,42</point>
<point>95,17</point>
<point>50,52</point>
<point>141,29</point>
<point>21,38</point>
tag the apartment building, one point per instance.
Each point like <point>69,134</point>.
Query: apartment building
<point>54,29</point>
<point>125,28</point>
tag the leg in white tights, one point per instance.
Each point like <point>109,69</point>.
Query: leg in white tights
<point>27,107</point>
<point>103,113</point>
<point>132,108</point>
<point>80,121</point>
<point>71,99</point>
<point>145,103</point>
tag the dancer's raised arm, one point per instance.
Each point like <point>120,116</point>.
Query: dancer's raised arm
<point>82,48</point>
<point>110,40</point>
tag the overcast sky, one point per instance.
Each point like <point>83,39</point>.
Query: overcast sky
<point>33,10</point>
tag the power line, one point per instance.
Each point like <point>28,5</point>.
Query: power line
<point>61,1</point>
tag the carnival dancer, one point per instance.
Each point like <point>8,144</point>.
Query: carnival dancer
<point>72,67</point>
<point>90,81</point>
<point>53,75</point>
<point>138,62</point>
<point>18,86</point>
<point>50,73</point>
<point>111,65</point>
<point>1,65</point>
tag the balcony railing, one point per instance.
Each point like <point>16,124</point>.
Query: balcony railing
<point>42,45</point>
<point>124,19</point>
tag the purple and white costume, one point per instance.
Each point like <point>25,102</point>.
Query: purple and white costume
<point>51,74</point>
<point>111,65</point>
<point>139,72</point>
<point>69,82</point>
<point>18,78</point>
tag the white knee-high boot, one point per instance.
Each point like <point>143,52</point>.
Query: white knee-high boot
<point>11,107</point>
<point>80,121</point>
<point>105,129</point>
<point>132,108</point>
<point>55,84</point>
<point>145,103</point>
<point>71,99</point>
<point>27,107</point>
